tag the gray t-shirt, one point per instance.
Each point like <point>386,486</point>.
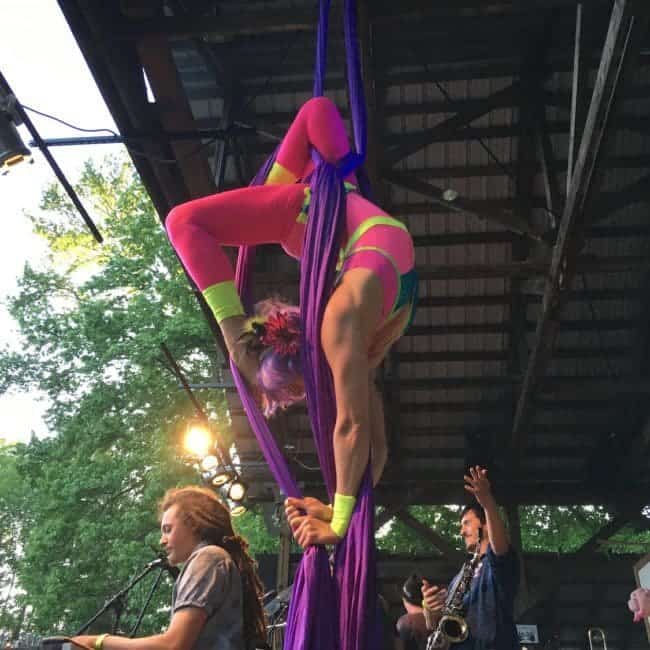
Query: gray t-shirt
<point>211,581</point>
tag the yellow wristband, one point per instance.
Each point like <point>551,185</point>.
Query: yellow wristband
<point>343,508</point>
<point>223,300</point>
<point>99,642</point>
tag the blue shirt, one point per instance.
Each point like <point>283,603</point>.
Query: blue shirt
<point>489,605</point>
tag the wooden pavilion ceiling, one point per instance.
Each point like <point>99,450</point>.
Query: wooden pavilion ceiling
<point>529,351</point>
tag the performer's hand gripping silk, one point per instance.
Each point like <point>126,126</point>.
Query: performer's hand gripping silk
<point>369,309</point>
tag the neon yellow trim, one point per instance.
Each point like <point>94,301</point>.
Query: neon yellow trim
<point>363,228</point>
<point>223,300</point>
<point>342,513</point>
<point>303,215</point>
<point>389,257</point>
<point>366,225</point>
<point>280,175</point>
<point>99,641</point>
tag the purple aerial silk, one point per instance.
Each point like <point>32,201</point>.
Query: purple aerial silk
<point>327,612</point>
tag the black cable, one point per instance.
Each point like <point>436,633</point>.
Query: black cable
<point>125,140</point>
<point>72,126</point>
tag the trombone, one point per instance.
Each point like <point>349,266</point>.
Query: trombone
<point>597,635</point>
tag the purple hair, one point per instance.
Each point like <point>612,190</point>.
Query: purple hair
<point>275,332</point>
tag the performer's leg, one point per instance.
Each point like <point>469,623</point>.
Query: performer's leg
<point>349,321</point>
<point>378,444</point>
<point>318,124</point>
<point>248,216</point>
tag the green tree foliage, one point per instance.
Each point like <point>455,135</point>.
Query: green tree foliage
<point>559,529</point>
<point>397,537</point>
<point>92,321</point>
<point>10,529</point>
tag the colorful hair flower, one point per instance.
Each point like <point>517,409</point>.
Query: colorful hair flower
<point>282,333</point>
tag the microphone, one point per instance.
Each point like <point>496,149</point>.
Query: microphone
<point>164,564</point>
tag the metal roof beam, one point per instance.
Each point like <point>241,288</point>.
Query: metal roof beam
<point>624,28</point>
<point>459,205</point>
<point>412,143</point>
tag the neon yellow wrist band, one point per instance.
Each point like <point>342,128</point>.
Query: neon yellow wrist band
<point>224,300</point>
<point>343,507</point>
<point>280,175</point>
<point>99,642</point>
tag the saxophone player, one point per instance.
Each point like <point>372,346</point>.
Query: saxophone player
<point>489,601</point>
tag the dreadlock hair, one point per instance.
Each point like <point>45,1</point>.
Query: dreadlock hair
<point>274,333</point>
<point>203,511</point>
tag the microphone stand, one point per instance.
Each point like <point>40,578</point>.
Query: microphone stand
<point>117,601</point>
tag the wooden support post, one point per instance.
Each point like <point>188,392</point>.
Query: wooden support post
<point>284,555</point>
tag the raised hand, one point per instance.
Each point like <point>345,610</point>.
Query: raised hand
<point>477,483</point>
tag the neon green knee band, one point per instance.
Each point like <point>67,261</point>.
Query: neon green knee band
<point>343,507</point>
<point>280,175</point>
<point>223,300</point>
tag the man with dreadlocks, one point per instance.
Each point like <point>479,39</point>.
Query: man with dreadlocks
<point>217,597</point>
<point>369,309</point>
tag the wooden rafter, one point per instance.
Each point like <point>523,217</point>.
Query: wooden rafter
<point>623,27</point>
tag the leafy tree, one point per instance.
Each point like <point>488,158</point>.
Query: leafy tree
<point>92,321</point>
<point>10,516</point>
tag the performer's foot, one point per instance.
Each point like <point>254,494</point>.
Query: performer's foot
<point>307,506</point>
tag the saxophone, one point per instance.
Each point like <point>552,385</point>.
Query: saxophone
<point>452,626</point>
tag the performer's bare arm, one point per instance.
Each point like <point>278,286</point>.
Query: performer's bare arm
<point>182,633</point>
<point>478,484</point>
<point>246,362</point>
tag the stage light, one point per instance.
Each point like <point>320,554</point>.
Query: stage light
<point>222,477</point>
<point>450,195</point>
<point>237,491</point>
<point>12,148</point>
<point>209,463</point>
<point>198,440</point>
<point>237,510</point>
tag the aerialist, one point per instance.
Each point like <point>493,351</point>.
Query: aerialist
<point>369,309</point>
